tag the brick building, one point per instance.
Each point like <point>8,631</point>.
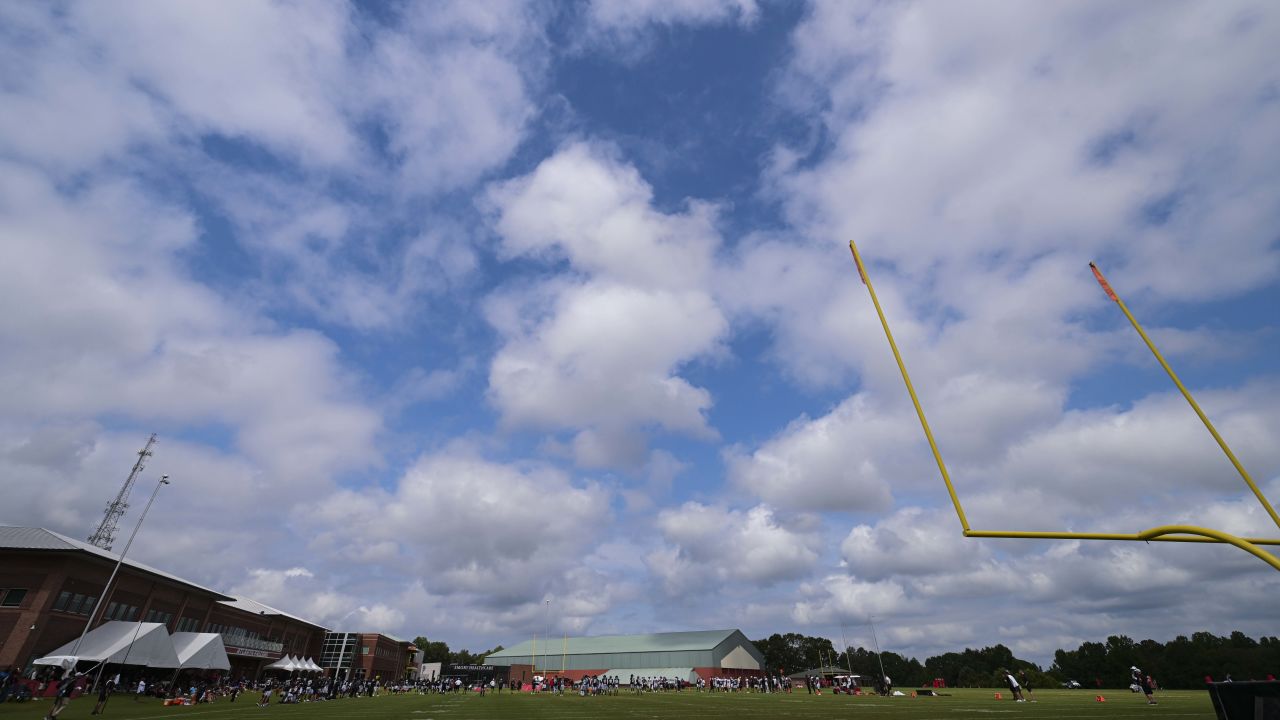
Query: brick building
<point>367,655</point>
<point>49,584</point>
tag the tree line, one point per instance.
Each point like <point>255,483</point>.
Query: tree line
<point>434,651</point>
<point>1180,663</point>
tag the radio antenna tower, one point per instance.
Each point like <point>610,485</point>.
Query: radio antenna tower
<point>106,532</point>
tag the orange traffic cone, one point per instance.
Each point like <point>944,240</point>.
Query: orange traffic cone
<point>997,696</point>
<point>1101,699</point>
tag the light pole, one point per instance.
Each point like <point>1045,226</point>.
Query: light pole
<point>164,481</point>
<point>546,635</point>
<point>847,661</point>
<point>880,660</point>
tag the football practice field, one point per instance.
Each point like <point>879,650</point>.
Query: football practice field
<point>1052,704</point>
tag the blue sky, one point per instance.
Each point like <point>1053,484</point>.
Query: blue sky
<point>444,311</point>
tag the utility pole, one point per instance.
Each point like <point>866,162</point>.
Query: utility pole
<point>105,535</point>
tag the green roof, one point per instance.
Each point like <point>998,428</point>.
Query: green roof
<point>654,642</point>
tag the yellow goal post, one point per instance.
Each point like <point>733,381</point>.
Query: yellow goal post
<point>1163,533</point>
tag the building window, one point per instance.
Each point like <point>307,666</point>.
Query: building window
<point>364,650</point>
<point>187,624</point>
<point>76,603</point>
<point>121,611</point>
<point>86,605</point>
<point>338,651</point>
<point>12,597</point>
<point>158,616</point>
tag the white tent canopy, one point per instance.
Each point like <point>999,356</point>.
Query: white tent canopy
<point>203,651</point>
<point>128,643</point>
<point>295,664</point>
<point>284,663</point>
<point>66,662</point>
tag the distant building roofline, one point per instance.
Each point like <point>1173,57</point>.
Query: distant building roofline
<point>38,539</point>
<point>644,642</point>
<point>253,606</point>
<point>43,540</point>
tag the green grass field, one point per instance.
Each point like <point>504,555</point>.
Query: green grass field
<point>1185,705</point>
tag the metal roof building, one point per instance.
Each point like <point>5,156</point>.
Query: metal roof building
<point>707,651</point>
<point>53,586</point>
<point>35,538</point>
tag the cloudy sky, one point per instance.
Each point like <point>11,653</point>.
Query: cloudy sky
<point>450,313</point>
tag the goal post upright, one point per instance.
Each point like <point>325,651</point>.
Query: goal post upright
<point>906,378</point>
<point>1222,443</point>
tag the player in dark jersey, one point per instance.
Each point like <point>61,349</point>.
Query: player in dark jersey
<point>1141,681</point>
<point>1026,686</point>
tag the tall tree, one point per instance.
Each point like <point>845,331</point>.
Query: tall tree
<point>975,668</point>
<point>904,671</point>
<point>794,652</point>
<point>432,652</point>
<point>1183,662</point>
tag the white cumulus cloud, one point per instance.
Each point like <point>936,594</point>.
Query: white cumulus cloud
<point>599,353</point>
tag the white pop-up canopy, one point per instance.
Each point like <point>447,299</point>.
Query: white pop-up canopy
<point>284,663</point>
<point>128,643</point>
<point>203,651</point>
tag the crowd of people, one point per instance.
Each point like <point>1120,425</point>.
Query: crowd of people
<point>302,689</point>
<point>764,684</point>
<point>198,690</point>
